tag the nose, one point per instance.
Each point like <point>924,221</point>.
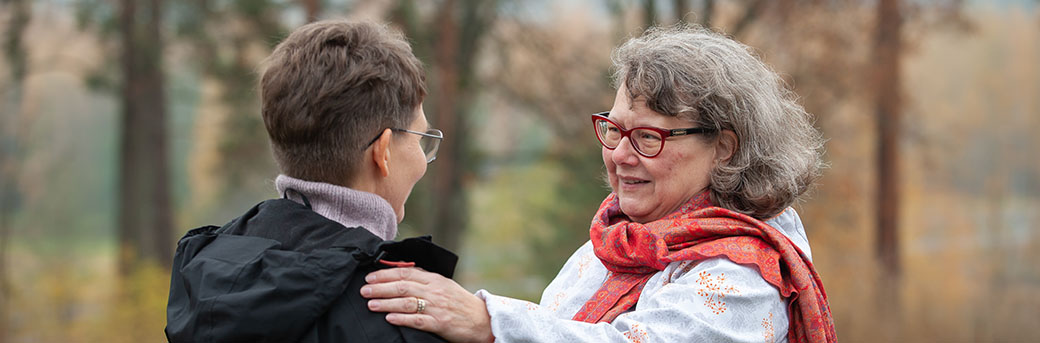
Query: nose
<point>625,153</point>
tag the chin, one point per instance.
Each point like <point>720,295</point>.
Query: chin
<point>400,215</point>
<point>630,208</point>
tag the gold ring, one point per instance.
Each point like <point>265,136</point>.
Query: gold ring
<point>420,305</point>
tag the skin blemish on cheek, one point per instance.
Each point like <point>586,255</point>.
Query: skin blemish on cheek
<point>673,161</point>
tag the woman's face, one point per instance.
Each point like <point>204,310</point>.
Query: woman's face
<point>408,163</point>
<point>651,188</point>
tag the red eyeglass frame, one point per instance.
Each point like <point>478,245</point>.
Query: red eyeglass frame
<point>665,133</point>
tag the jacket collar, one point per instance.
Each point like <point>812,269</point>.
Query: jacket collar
<point>349,207</point>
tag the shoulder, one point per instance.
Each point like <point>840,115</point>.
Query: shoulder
<point>580,256</point>
<point>790,224</point>
<point>717,271</point>
<point>578,264</point>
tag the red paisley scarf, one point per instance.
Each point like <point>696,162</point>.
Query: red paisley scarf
<point>633,252</point>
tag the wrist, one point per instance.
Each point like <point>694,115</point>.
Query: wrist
<point>488,334</point>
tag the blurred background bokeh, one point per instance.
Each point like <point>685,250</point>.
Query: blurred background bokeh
<point>126,123</point>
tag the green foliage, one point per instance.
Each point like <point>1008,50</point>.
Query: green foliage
<point>574,201</point>
<point>102,80</point>
<point>508,210</point>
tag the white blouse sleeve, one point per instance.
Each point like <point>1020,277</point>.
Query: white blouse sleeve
<point>715,300</point>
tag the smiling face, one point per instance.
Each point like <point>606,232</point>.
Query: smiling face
<point>651,188</point>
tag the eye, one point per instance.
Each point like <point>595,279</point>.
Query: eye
<point>649,136</point>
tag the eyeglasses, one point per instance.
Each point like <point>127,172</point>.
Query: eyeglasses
<point>648,141</point>
<point>430,141</point>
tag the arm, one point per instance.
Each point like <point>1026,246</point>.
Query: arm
<point>696,305</point>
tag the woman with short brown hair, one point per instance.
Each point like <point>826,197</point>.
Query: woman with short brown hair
<point>342,104</point>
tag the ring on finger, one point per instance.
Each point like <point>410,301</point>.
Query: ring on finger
<point>420,305</point>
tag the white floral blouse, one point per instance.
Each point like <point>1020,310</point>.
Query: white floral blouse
<point>715,300</point>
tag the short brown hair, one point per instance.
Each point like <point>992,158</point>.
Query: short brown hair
<point>329,88</point>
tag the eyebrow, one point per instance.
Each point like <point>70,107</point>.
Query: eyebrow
<point>642,122</point>
<point>639,123</point>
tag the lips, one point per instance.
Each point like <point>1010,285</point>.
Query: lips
<point>632,180</point>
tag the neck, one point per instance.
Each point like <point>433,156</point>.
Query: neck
<point>349,207</point>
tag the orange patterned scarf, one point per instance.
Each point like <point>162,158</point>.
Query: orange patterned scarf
<point>633,252</point>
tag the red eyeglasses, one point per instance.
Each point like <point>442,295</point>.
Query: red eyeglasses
<point>648,141</point>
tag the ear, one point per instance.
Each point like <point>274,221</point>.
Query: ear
<point>726,146</point>
<point>381,152</point>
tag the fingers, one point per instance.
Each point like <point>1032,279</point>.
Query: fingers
<point>401,274</point>
<point>422,322</point>
<point>450,310</point>
<point>397,305</point>
<point>393,289</point>
<point>403,313</point>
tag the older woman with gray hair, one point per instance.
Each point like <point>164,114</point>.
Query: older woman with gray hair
<point>705,151</point>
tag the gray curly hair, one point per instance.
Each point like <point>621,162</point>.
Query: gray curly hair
<point>714,81</point>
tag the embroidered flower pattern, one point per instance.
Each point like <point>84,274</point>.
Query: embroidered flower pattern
<point>584,264</point>
<point>769,334</point>
<point>636,334</point>
<point>683,269</point>
<point>556,301</point>
<point>714,291</point>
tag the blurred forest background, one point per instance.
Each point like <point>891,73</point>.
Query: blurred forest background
<point>126,123</point>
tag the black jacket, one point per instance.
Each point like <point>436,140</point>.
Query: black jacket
<point>283,273</point>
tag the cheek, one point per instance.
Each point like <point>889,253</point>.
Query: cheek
<point>608,163</point>
<point>673,172</point>
<point>422,170</point>
<point>665,168</point>
<point>420,163</point>
<point>688,172</point>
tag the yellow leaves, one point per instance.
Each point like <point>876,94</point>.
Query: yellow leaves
<point>83,300</point>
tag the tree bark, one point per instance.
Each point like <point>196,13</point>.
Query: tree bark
<point>145,233</point>
<point>887,53</point>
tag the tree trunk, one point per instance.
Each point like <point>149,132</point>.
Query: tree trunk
<point>312,8</point>
<point>144,205</point>
<point>450,49</point>
<point>649,13</point>
<point>887,53</point>
<point>448,209</point>
<point>707,12</point>
<point>681,9</point>
<point>11,144</point>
